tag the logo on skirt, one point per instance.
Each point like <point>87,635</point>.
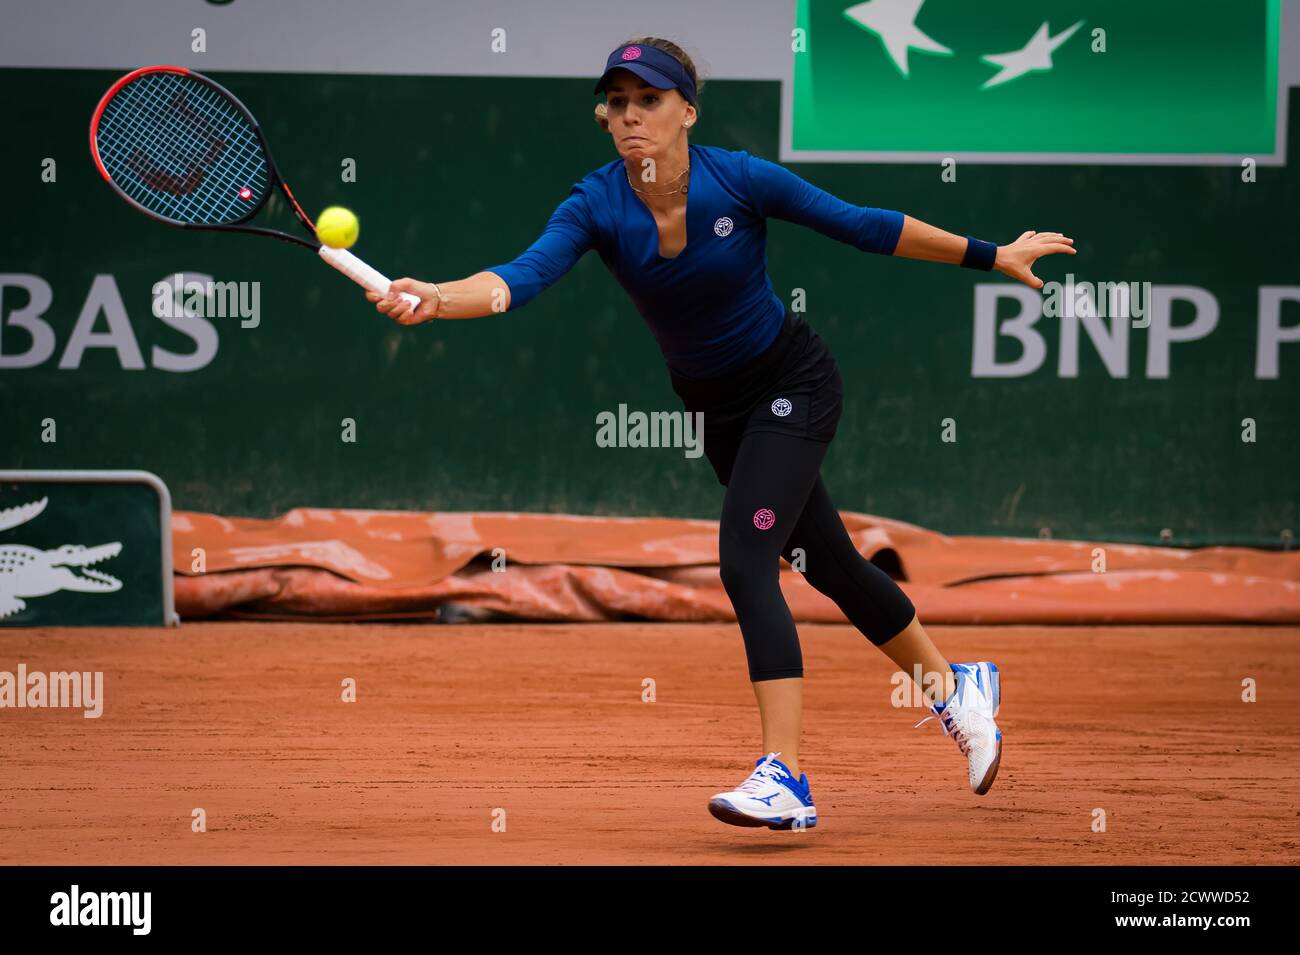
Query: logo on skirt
<point>781,407</point>
<point>764,519</point>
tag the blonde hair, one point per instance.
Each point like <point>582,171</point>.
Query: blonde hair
<point>673,50</point>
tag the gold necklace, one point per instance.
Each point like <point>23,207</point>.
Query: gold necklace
<point>683,188</point>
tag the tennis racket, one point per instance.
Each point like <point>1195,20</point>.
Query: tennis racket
<point>183,150</point>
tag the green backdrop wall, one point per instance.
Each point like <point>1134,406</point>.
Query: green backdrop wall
<point>455,174</point>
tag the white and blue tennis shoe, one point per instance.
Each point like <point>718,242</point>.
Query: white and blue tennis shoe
<point>967,716</point>
<point>771,797</point>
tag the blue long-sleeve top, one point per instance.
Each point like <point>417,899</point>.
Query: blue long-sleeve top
<point>712,306</point>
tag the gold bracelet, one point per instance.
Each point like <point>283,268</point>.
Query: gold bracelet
<point>439,291</point>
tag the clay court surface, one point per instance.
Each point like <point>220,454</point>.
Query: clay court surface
<point>244,719</point>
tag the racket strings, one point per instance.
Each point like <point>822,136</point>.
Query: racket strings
<point>177,135</point>
<point>181,150</point>
<point>158,178</point>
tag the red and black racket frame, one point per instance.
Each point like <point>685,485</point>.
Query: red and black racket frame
<point>237,225</point>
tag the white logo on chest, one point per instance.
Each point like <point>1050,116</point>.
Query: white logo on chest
<point>723,227</point>
<point>781,407</point>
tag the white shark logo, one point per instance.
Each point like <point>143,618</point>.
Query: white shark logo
<point>894,21</point>
<point>30,572</point>
<point>1034,57</point>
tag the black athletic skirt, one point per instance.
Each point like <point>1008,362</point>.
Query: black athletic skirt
<point>793,387</point>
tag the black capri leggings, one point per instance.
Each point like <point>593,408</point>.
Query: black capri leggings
<point>767,427</point>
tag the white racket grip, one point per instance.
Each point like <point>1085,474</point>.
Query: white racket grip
<point>362,274</point>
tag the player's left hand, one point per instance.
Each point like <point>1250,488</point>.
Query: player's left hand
<point>399,310</point>
<point>1017,259</point>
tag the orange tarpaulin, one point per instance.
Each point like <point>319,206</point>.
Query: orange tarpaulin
<point>351,564</point>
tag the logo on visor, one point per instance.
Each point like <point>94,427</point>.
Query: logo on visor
<point>631,53</point>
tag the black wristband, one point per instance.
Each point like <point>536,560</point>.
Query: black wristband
<point>979,254</point>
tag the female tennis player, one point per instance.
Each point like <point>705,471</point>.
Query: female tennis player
<point>682,228</point>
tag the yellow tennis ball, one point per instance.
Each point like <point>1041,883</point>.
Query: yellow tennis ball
<point>337,227</point>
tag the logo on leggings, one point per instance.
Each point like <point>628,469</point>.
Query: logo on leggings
<point>781,407</point>
<point>764,519</point>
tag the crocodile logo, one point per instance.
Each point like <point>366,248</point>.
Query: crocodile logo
<point>31,572</point>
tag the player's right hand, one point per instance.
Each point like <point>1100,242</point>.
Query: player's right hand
<point>399,310</point>
<point>1017,259</point>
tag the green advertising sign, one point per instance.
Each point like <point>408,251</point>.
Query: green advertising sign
<point>83,548</point>
<point>1096,429</point>
<point>1161,81</point>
